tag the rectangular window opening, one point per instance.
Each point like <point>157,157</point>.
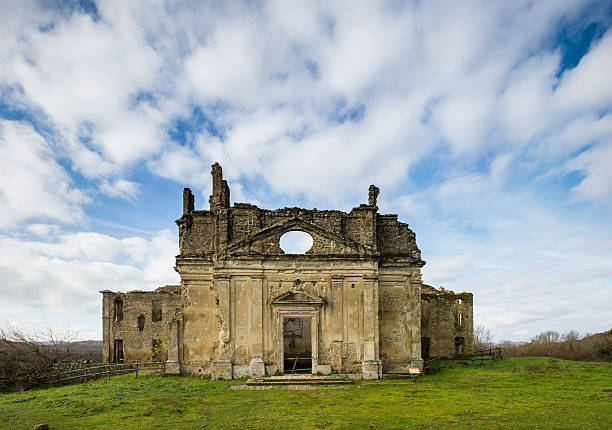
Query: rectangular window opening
<point>118,357</point>
<point>156,313</point>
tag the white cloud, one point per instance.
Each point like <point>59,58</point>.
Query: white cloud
<point>595,164</point>
<point>588,85</point>
<point>120,188</point>
<point>318,101</point>
<point>86,76</point>
<point>43,231</point>
<point>34,185</point>
<point>65,275</point>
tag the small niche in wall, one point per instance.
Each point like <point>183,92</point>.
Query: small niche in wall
<point>141,322</point>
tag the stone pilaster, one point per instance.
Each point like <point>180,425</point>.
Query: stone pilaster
<point>257,367</point>
<point>222,366</point>
<point>337,324</point>
<point>173,366</point>
<point>371,361</point>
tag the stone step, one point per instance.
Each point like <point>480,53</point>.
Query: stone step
<point>398,376</point>
<point>284,380</point>
<point>302,376</point>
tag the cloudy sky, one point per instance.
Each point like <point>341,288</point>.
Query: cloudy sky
<point>487,125</point>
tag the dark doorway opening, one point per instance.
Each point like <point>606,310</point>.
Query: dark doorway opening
<point>118,358</point>
<point>297,345</point>
<point>459,342</point>
<point>425,348</point>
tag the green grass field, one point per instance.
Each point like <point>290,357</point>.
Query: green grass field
<point>516,393</point>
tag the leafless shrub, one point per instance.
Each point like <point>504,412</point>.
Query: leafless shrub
<point>483,338</point>
<point>27,358</point>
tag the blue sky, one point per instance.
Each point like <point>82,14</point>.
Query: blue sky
<point>487,126</point>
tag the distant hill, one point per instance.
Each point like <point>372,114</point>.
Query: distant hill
<point>88,349</point>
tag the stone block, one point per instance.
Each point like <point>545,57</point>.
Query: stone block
<point>257,368</point>
<point>324,369</point>
<point>371,369</point>
<point>173,368</point>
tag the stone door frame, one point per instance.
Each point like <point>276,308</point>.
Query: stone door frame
<point>314,335</point>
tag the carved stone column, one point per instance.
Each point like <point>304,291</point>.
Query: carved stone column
<point>173,366</point>
<point>415,291</point>
<point>257,367</point>
<point>222,365</point>
<point>371,361</point>
<point>335,351</point>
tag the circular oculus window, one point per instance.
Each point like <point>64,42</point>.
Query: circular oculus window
<point>295,242</point>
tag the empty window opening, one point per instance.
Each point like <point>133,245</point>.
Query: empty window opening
<point>460,301</point>
<point>295,242</point>
<point>459,344</point>
<point>156,314</point>
<point>141,321</point>
<point>459,320</point>
<point>118,355</point>
<point>118,309</point>
<point>297,345</point>
<point>425,348</point>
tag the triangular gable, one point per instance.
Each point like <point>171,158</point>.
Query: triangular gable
<point>325,242</point>
<point>297,297</point>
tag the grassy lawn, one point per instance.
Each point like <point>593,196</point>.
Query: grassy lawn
<point>527,393</point>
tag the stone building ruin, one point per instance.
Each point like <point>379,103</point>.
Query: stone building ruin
<point>354,303</point>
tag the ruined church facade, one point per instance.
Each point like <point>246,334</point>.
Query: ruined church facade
<point>354,303</point>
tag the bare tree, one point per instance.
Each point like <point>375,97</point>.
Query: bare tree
<point>483,338</point>
<point>26,358</point>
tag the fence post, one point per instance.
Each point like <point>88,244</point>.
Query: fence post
<point>86,375</point>
<point>136,370</point>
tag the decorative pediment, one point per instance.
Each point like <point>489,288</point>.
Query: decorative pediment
<point>297,298</point>
<point>325,242</point>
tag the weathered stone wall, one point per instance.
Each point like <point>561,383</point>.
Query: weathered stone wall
<point>240,306</point>
<point>400,317</point>
<point>446,317</point>
<point>359,286</point>
<point>197,233</point>
<point>137,340</point>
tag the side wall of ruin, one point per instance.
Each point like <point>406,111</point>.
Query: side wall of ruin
<point>446,322</point>
<point>137,318</point>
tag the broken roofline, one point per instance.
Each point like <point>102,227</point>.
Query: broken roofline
<point>243,228</point>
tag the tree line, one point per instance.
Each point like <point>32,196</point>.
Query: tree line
<point>550,343</point>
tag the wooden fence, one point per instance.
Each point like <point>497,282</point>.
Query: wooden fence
<point>478,357</point>
<point>80,375</point>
